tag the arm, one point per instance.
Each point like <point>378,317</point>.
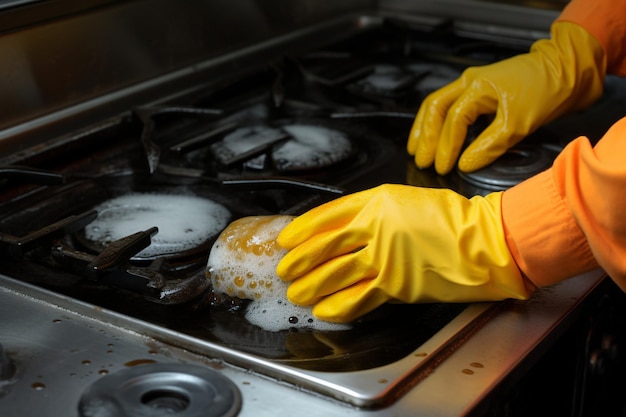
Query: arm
<point>409,244</point>
<point>570,219</point>
<point>398,243</point>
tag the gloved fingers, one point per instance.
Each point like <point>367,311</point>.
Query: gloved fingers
<point>477,99</point>
<point>324,218</point>
<point>320,249</point>
<point>426,127</point>
<point>351,303</point>
<point>330,277</point>
<point>492,143</point>
<point>426,130</point>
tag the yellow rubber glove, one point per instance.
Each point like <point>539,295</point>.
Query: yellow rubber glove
<point>398,243</point>
<point>558,75</point>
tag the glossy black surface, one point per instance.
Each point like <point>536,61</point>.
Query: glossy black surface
<point>168,148</point>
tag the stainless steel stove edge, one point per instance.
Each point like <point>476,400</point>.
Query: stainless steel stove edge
<point>62,346</point>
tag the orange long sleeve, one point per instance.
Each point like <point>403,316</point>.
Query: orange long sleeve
<point>606,21</point>
<point>570,219</point>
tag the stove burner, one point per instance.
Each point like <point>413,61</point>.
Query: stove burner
<point>162,389</point>
<point>292,148</point>
<point>184,222</point>
<point>516,165</point>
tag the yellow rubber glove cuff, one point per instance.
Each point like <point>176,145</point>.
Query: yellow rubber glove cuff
<point>558,75</point>
<point>398,243</point>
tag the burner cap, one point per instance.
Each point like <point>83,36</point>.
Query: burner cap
<point>161,390</point>
<point>516,165</point>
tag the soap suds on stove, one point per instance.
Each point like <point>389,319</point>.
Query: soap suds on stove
<point>184,221</point>
<point>242,264</point>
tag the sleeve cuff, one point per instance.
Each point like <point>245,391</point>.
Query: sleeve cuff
<point>541,233</point>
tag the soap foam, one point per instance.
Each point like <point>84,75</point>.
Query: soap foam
<point>184,221</point>
<point>308,147</point>
<point>311,147</point>
<point>242,264</point>
<point>433,76</point>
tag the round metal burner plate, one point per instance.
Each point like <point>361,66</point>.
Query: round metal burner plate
<point>516,165</point>
<point>162,390</point>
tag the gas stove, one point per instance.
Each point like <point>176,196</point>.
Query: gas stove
<point>276,127</point>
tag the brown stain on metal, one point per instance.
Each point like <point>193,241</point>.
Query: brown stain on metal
<point>38,386</point>
<point>473,365</point>
<point>139,362</point>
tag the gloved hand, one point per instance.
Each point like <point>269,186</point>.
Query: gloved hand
<point>558,75</point>
<point>398,243</point>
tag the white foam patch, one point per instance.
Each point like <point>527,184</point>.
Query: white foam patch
<point>309,146</point>
<point>385,78</point>
<point>437,75</point>
<point>242,264</point>
<point>184,221</point>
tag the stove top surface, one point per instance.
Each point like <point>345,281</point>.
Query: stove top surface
<point>362,92</point>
